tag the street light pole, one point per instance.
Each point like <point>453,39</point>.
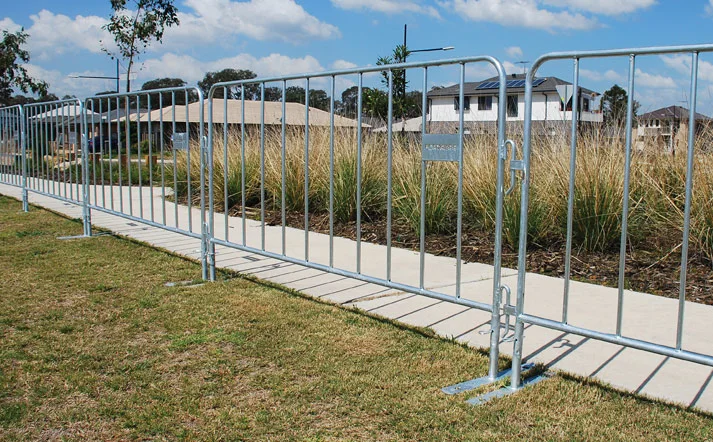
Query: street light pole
<point>102,77</point>
<point>406,54</point>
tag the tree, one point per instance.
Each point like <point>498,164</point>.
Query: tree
<point>273,93</point>
<point>12,73</point>
<point>295,94</point>
<point>614,104</point>
<point>399,83</point>
<point>252,91</point>
<point>134,32</point>
<point>165,83</point>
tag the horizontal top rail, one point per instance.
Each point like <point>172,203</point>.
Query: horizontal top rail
<point>365,70</point>
<point>653,50</point>
<point>69,101</point>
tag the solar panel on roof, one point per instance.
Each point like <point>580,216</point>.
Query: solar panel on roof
<point>489,85</point>
<point>537,82</point>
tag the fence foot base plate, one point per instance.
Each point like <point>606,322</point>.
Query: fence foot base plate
<point>506,391</point>
<point>479,382</point>
<point>93,235</point>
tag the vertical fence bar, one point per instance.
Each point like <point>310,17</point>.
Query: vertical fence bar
<point>127,106</point>
<point>389,163</point>
<point>625,209</point>
<point>189,153</point>
<point>110,134</point>
<point>262,166</point>
<point>689,197</point>
<point>72,155</point>
<point>499,209</point>
<point>91,130</point>
<point>173,148</point>
<point>119,156</point>
<point>84,138</point>
<point>163,157</point>
<point>23,151</point>
<point>78,142</point>
<point>150,162</point>
<point>422,220</point>
<point>242,161</point>
<point>459,220</point>
<point>307,170</point>
<point>515,378</point>
<point>283,142</point>
<point>47,115</point>
<point>360,92</point>
<point>138,154</point>
<point>331,175</point>
<point>570,200</point>
<point>206,166</point>
<point>61,171</point>
<point>226,166</point>
<point>101,151</point>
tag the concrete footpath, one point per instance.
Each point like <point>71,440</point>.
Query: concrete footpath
<point>646,317</point>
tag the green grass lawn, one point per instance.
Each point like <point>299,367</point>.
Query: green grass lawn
<point>95,346</point>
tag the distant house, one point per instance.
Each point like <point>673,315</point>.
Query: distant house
<point>231,111</point>
<point>667,128</point>
<point>551,104</point>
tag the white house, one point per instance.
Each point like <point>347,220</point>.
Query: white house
<point>667,128</point>
<point>552,103</point>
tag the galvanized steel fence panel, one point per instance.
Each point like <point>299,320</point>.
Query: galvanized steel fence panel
<point>138,146</point>
<point>562,323</point>
<point>219,135</point>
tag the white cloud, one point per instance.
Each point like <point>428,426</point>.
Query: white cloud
<point>682,64</point>
<point>655,81</point>
<point>56,34</point>
<point>604,7</point>
<point>524,13</point>
<point>514,51</point>
<point>387,6</point>
<point>6,24</point>
<point>203,22</point>
<point>343,64</point>
<point>709,7</point>
<point>283,20</point>
<point>609,75</point>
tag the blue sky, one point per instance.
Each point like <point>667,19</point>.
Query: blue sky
<point>273,37</point>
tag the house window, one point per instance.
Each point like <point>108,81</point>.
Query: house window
<point>430,105</point>
<point>585,104</point>
<point>485,103</point>
<point>512,106</point>
<point>466,102</point>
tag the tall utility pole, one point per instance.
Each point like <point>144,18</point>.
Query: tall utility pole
<point>406,54</point>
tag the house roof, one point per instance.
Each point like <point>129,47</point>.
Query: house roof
<point>295,114</point>
<point>671,112</point>
<point>549,84</point>
<point>410,125</point>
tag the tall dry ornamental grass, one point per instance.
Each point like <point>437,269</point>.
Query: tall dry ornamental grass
<point>657,190</point>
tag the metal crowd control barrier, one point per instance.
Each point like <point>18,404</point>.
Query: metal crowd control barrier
<point>435,148</point>
<point>54,163</point>
<point>144,148</point>
<point>561,324</point>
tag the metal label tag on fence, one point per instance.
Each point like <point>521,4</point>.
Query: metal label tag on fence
<point>180,140</point>
<point>441,147</point>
